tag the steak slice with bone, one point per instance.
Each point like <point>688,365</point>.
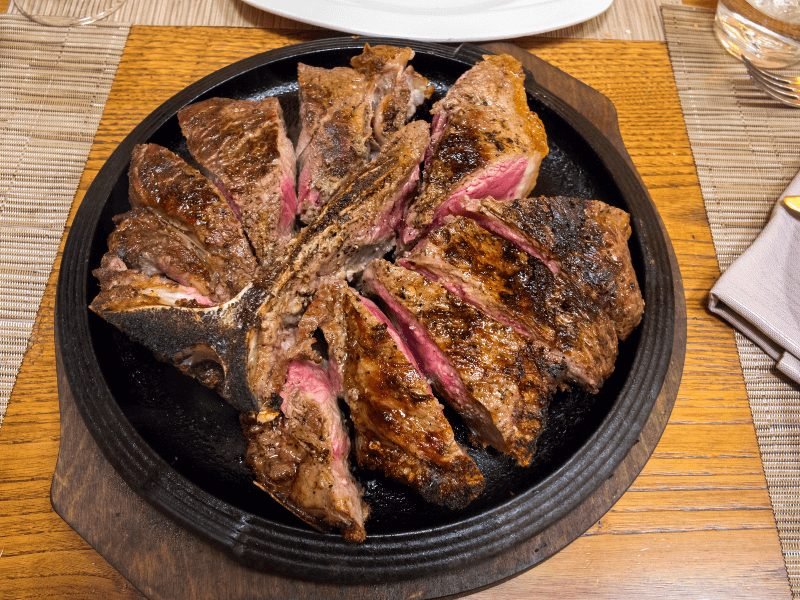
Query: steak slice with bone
<point>299,454</point>
<point>163,182</point>
<point>586,240</point>
<point>399,425</point>
<point>247,337</point>
<point>497,380</point>
<point>520,290</point>
<point>485,142</point>
<point>243,145</point>
<point>346,113</point>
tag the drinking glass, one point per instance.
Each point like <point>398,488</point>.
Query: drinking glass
<point>766,32</point>
<point>67,13</point>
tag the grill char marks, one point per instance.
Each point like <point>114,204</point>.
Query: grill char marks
<point>400,427</point>
<point>299,455</point>
<point>485,142</point>
<point>498,381</point>
<point>587,240</point>
<point>521,291</point>
<point>244,147</point>
<point>345,113</point>
<point>356,226</point>
<point>163,182</point>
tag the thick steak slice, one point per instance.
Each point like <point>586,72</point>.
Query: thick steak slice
<point>400,427</point>
<point>346,113</point>
<point>165,183</point>
<point>152,246</point>
<point>485,142</point>
<point>398,90</point>
<point>497,380</point>
<point>356,226</point>
<point>585,239</point>
<point>299,455</point>
<point>244,147</point>
<point>519,290</point>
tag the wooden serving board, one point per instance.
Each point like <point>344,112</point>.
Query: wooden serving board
<point>157,556</point>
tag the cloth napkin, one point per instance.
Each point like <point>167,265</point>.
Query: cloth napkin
<point>759,294</point>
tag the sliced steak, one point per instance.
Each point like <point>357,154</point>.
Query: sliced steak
<point>165,183</point>
<point>497,380</point>
<point>400,427</point>
<point>356,226</point>
<point>346,113</point>
<point>485,142</point>
<point>299,454</point>
<point>519,290</point>
<point>152,246</point>
<point>587,240</point>
<point>244,147</point>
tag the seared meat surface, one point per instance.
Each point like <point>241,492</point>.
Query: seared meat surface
<point>243,145</point>
<point>587,240</point>
<point>521,291</point>
<point>497,380</point>
<point>400,427</point>
<point>163,182</point>
<point>299,454</point>
<point>345,113</point>
<point>485,142</point>
<point>356,226</point>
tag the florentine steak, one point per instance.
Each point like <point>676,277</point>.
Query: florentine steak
<point>346,114</point>
<point>356,225</point>
<point>587,240</point>
<point>497,380</point>
<point>485,142</point>
<point>399,425</point>
<point>163,182</point>
<point>519,290</point>
<point>299,454</point>
<point>243,145</point>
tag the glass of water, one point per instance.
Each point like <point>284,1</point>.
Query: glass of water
<point>67,13</point>
<point>766,32</point>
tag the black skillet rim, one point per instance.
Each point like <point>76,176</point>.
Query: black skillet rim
<point>308,555</point>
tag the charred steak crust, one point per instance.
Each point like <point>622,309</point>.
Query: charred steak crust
<point>165,183</point>
<point>585,239</point>
<point>400,427</point>
<point>498,381</point>
<point>243,145</point>
<point>521,291</point>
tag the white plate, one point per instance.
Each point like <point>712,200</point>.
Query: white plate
<point>438,20</point>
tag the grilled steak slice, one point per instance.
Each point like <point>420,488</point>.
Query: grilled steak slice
<point>299,455</point>
<point>497,380</point>
<point>587,240</point>
<point>400,427</point>
<point>519,290</point>
<point>485,142</point>
<point>347,112</point>
<point>243,145</point>
<point>150,245</point>
<point>356,226</point>
<point>165,183</point>
<point>398,90</point>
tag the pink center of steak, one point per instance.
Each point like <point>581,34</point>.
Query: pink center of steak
<point>434,363</point>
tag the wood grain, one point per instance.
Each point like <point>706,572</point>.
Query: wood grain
<point>697,522</point>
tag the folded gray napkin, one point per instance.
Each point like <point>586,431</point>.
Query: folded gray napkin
<point>759,294</point>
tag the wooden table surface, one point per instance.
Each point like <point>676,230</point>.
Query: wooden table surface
<point>696,523</point>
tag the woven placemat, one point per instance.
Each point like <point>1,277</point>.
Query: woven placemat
<point>625,20</point>
<point>746,150</point>
<point>53,85</point>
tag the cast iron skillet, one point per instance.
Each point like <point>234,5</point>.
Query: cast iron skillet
<point>179,446</point>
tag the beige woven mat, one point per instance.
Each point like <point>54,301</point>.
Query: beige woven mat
<point>53,85</point>
<point>746,150</point>
<point>625,20</point>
